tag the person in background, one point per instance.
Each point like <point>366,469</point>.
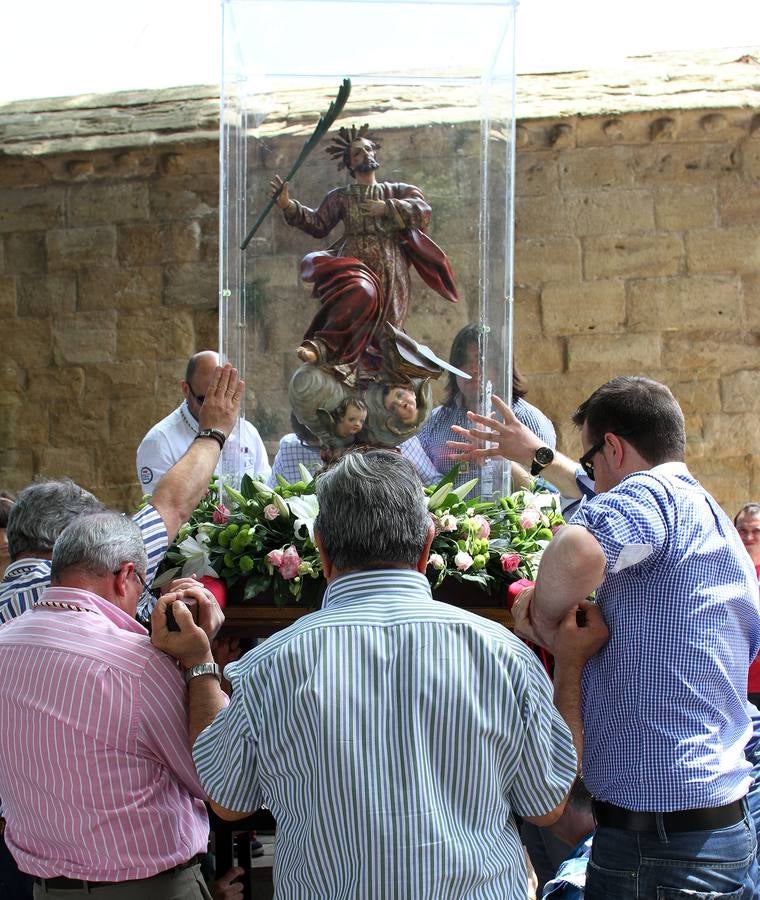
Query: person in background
<point>6,501</point>
<point>747,523</point>
<point>461,395</point>
<point>168,439</point>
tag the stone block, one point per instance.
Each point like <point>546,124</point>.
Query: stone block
<point>23,172</point>
<point>537,355</point>
<point>185,197</point>
<point>684,163</point>
<point>634,354</point>
<point>751,292</point>
<point>85,338</point>
<point>731,434</point>
<point>552,259</point>
<point>632,255</point>
<point>31,340</point>
<point>115,381</point>
<point>131,418</point>
<point>275,274</point>
<point>741,391</point>
<point>56,385</point>
<point>31,209</point>
<point>680,209</point>
<point>738,204</point>
<point>536,173</point>
<point>724,250</point>
<point>605,131</point>
<point>150,244</point>
<point>105,203</point>
<point>12,377</point>
<point>527,313</point>
<point>74,247</point>
<point>192,284</point>
<point>612,212</point>
<point>75,462</point>
<point>696,396</point>
<point>543,216</point>
<point>597,306</point>
<point>591,168</point>
<point>25,253</point>
<point>559,394</point>
<point>47,295</point>
<point>17,468</point>
<point>121,497</point>
<point>208,250</point>
<point>164,332</point>
<point>120,288</point>
<point>73,427</point>
<point>8,295</point>
<point>115,464</point>
<point>688,303</point>
<point>706,352</point>
<point>727,479</point>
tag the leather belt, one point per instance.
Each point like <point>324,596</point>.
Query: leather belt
<point>707,819</point>
<point>61,883</point>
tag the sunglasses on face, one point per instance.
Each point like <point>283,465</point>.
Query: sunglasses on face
<point>586,460</point>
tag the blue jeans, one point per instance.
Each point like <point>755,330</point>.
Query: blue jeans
<point>693,865</point>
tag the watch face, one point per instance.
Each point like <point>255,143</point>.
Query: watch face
<point>544,455</point>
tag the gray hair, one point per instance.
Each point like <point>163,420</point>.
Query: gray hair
<point>372,511</point>
<point>42,511</point>
<point>749,509</point>
<point>99,543</point>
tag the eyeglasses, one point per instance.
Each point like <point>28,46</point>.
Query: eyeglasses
<point>143,583</point>
<point>586,460</point>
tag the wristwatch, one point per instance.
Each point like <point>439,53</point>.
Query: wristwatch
<point>541,459</point>
<point>214,433</point>
<point>203,669</point>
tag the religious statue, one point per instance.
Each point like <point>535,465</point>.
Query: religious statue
<point>362,282</point>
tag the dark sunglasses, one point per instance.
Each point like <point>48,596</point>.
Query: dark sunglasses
<point>586,460</point>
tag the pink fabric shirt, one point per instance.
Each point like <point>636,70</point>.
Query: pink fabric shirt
<point>96,777</point>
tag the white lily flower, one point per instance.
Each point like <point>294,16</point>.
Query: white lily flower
<point>306,475</point>
<point>197,557</point>
<point>305,510</point>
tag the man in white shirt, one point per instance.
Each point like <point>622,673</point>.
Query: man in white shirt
<point>168,440</point>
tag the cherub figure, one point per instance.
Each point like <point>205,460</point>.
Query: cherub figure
<point>362,280</point>
<point>349,417</point>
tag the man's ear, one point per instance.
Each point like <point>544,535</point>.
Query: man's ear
<point>327,567</point>
<point>423,560</point>
<point>619,450</point>
<point>185,387</point>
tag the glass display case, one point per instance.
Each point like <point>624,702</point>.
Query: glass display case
<point>393,124</point>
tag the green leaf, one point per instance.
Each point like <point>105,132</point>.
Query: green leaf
<point>256,584</point>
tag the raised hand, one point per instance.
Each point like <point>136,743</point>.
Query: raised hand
<point>510,438</point>
<point>221,406</point>
<point>283,197</point>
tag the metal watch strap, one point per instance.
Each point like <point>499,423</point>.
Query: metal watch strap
<point>213,433</point>
<point>203,669</point>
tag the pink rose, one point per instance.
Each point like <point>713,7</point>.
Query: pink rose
<point>530,518</point>
<point>448,522</point>
<point>271,512</point>
<point>462,561</point>
<point>484,527</point>
<point>221,515</point>
<point>290,563</point>
<point>274,558</point>
<point>436,561</point>
<point>510,562</point>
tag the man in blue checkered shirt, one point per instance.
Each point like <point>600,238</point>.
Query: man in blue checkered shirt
<point>664,711</point>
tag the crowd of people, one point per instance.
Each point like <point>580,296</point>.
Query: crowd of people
<point>405,747</point>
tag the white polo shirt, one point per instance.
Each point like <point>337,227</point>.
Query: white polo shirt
<point>168,440</point>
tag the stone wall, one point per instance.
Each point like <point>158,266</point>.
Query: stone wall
<point>638,251</point>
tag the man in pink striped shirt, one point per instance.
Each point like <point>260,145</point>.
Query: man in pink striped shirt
<point>97,782</point>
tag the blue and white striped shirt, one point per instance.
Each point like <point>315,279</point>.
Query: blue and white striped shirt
<point>664,702</point>
<point>293,451</point>
<point>437,430</point>
<point>393,737</point>
<point>26,579</point>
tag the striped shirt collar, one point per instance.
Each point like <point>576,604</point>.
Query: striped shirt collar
<point>25,566</point>
<point>88,602</point>
<point>371,584</point>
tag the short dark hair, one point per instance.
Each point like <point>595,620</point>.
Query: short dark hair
<point>642,411</point>
<point>342,408</point>
<point>749,509</point>
<point>5,510</point>
<point>372,511</point>
<point>42,511</point>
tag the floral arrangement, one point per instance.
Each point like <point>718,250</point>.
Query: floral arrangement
<point>261,538</point>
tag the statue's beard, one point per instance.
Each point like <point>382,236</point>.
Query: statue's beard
<point>369,165</point>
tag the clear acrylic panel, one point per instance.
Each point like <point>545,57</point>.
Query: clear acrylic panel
<point>434,83</point>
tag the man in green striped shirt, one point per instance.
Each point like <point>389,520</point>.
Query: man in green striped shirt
<point>394,738</point>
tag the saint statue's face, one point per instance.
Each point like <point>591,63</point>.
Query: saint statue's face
<point>402,403</point>
<point>362,156</point>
